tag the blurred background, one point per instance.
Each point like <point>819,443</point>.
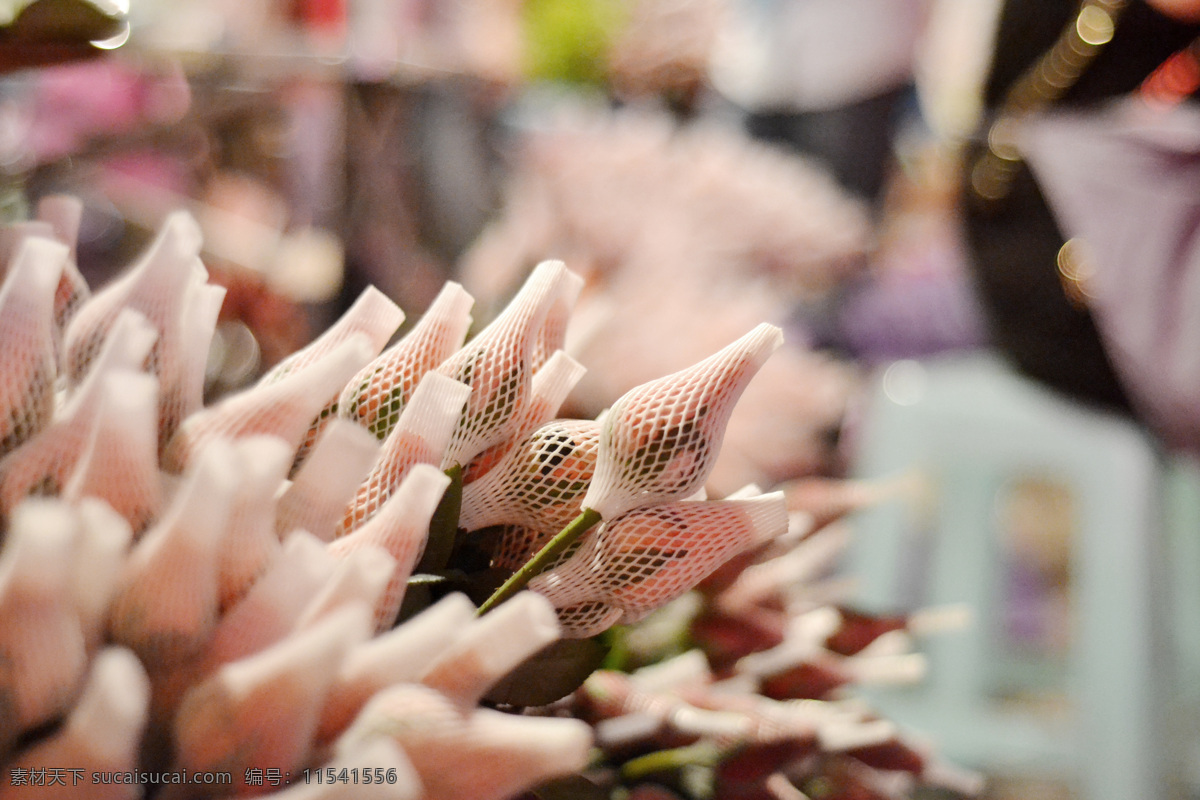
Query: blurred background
<point>828,165</point>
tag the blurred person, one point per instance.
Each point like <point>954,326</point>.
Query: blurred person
<point>827,77</point>
<point>1042,309</point>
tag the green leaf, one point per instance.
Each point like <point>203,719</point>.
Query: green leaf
<point>551,674</point>
<point>443,526</point>
<point>571,787</point>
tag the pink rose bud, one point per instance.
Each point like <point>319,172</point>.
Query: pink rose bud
<point>44,463</point>
<point>119,464</point>
<point>550,387</point>
<point>649,556</point>
<point>498,365</point>
<point>375,397</point>
<point>401,528</point>
<point>420,437</point>
<point>27,329</point>
<point>659,441</point>
<point>167,601</point>
<point>540,483</point>
<point>372,315</point>
<point>102,733</point>
<point>156,286</point>
<point>40,634</point>
<point>327,481</point>
<point>284,408</point>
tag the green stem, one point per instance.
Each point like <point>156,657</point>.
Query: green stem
<point>702,753</point>
<point>534,566</point>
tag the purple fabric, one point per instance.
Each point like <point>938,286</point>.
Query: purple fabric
<point>1126,180</point>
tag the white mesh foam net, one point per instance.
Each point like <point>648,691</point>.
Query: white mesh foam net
<point>376,396</point>
<point>42,464</point>
<point>373,316</point>
<point>420,437</point>
<point>28,332</point>
<point>283,407</point>
<point>497,365</point>
<point>651,555</point>
<point>540,482</point>
<point>659,441</point>
<point>550,386</point>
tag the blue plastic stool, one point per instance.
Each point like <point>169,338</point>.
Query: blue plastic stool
<point>970,427</point>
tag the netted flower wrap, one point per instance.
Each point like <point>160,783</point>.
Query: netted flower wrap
<point>651,555</point>
<point>271,607</point>
<point>373,316</point>
<point>483,754</point>
<point>550,386</point>
<point>119,463</point>
<point>498,365</point>
<point>376,396</point>
<point>166,606</point>
<point>42,464</point>
<point>326,482</point>
<point>41,641</point>
<point>284,408</point>
<point>156,286</point>
<point>250,541</point>
<point>420,437</point>
<point>401,655</point>
<point>102,733</point>
<point>259,712</point>
<point>540,483</point>
<point>659,441</point>
<point>401,528</point>
<point>28,332</point>
<point>62,214</point>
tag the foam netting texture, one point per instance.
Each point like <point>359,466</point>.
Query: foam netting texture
<point>285,407</point>
<point>28,332</point>
<point>376,396</point>
<point>551,384</point>
<point>498,366</point>
<point>372,315</point>
<point>119,463</point>
<point>659,441</point>
<point>167,285</point>
<point>420,437</point>
<point>400,528</point>
<point>651,555</point>
<point>540,483</point>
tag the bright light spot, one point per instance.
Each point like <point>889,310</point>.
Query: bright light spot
<point>113,42</point>
<point>904,382</point>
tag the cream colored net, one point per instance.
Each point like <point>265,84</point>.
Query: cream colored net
<point>283,407</point>
<point>166,606</point>
<point>660,440</point>
<point>40,634</point>
<point>250,542</point>
<point>372,315</point>
<point>376,396</point>
<point>156,286</point>
<point>327,481</point>
<point>62,214</point>
<point>119,464</point>
<point>28,333</point>
<point>401,528</point>
<point>549,388</point>
<point>420,437</point>
<point>43,463</point>
<point>498,364</point>
<point>651,555</point>
<point>540,482</point>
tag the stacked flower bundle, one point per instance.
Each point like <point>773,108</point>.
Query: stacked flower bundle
<point>732,231</point>
<point>188,592</point>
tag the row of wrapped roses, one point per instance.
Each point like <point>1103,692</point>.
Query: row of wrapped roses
<point>217,589</point>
